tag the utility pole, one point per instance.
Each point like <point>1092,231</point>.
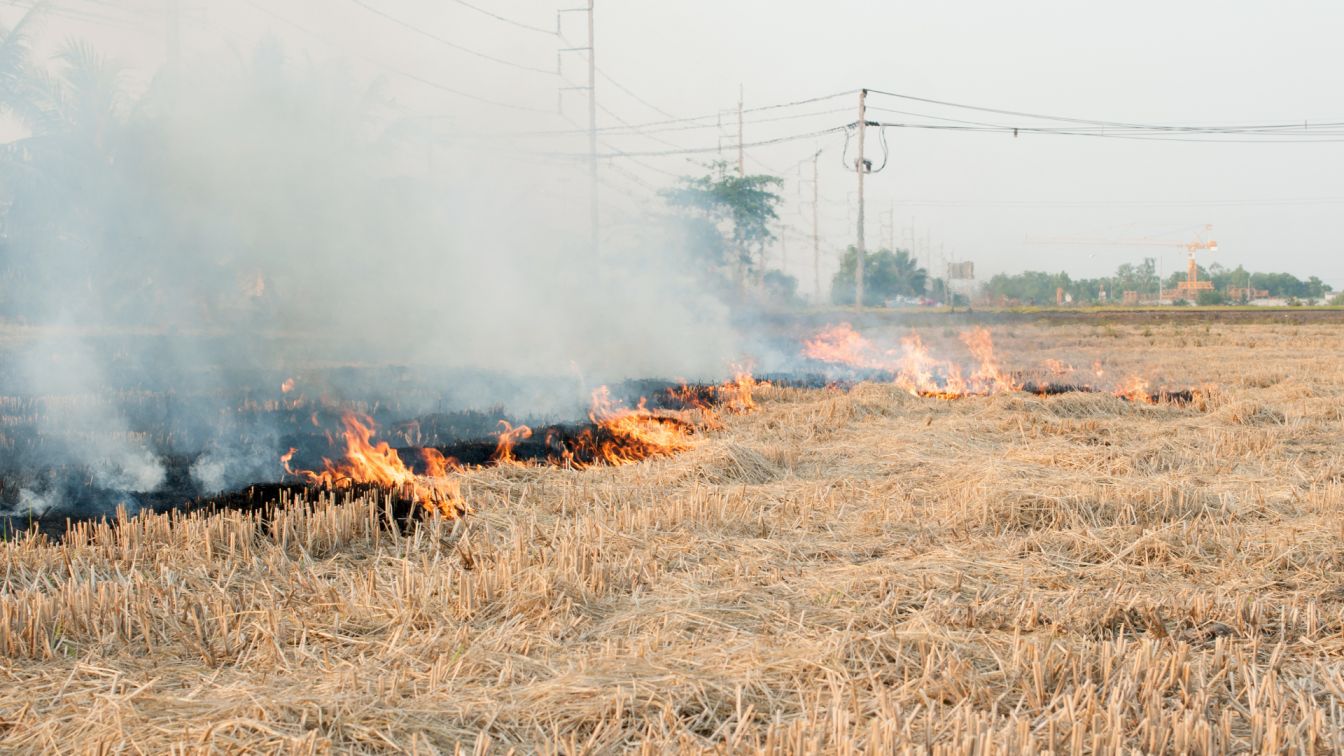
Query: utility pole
<point>861,168</point>
<point>591,50</point>
<point>741,164</point>
<point>592,128</point>
<point>816,230</point>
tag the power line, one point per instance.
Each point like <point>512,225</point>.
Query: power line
<point>392,69</point>
<point>702,150</point>
<point>449,43</point>
<point>623,154</point>
<point>506,20</point>
<point>633,95</point>
<point>647,125</point>
<point>1100,124</point>
<point>1326,136</point>
<point>1286,202</point>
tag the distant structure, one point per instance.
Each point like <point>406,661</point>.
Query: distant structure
<point>960,271</point>
<point>1191,286</point>
<point>1246,294</point>
<point>1188,289</point>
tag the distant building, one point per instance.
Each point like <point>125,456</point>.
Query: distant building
<point>1241,294</point>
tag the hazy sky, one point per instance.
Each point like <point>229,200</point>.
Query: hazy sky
<point>972,196</point>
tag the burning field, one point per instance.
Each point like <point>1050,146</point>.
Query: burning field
<point>1087,539</point>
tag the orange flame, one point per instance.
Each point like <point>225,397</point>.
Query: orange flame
<point>287,386</point>
<point>380,465</point>
<point>1058,369</point>
<point>988,378</point>
<point>735,395</point>
<point>623,436</point>
<point>841,344</point>
<point>917,371</point>
<point>1135,389</point>
<point>507,439</point>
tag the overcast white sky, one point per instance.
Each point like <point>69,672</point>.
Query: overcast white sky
<point>973,196</point>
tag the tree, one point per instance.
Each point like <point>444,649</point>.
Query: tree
<point>741,207</point>
<point>886,274</point>
<point>780,288</point>
<point>1210,297</point>
<point>1036,287</point>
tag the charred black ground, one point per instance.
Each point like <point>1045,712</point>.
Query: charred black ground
<point>469,437</point>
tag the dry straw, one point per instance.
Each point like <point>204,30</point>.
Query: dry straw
<point>837,572</point>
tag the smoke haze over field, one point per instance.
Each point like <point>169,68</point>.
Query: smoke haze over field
<point>255,217</point>
<point>315,189</point>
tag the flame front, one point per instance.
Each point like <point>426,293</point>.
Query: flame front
<point>617,436</point>
<point>1135,389</point>
<point>621,436</point>
<point>841,344</point>
<point>914,368</point>
<point>379,464</point>
<point>508,438</point>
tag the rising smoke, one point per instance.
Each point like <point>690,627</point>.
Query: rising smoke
<point>176,255</point>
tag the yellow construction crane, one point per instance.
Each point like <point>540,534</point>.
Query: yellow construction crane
<point>1189,288</point>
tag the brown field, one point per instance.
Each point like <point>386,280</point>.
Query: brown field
<point>861,571</point>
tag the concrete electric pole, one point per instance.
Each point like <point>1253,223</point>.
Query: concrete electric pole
<point>816,230</point>
<point>591,51</point>
<point>592,128</point>
<point>861,168</point>
<point>741,155</point>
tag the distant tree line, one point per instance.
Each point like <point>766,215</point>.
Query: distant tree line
<point>1040,288</point>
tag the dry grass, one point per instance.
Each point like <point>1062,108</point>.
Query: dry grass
<point>836,572</point>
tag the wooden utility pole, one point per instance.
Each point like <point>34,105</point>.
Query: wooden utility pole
<point>741,163</point>
<point>861,168</point>
<point>592,129</point>
<point>816,230</point>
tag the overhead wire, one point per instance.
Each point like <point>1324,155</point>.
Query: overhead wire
<point>449,43</point>
<point>505,19</point>
<point>1294,131</point>
<point>761,143</point>
<point>1267,138</point>
<point>649,124</point>
<point>395,70</point>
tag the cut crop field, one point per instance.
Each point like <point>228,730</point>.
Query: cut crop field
<point>852,569</point>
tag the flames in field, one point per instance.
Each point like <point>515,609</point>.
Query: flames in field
<point>620,436</point>
<point>615,435</point>
<point>508,438</point>
<point>1135,389</point>
<point>378,464</point>
<point>915,369</point>
<point>918,372</point>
